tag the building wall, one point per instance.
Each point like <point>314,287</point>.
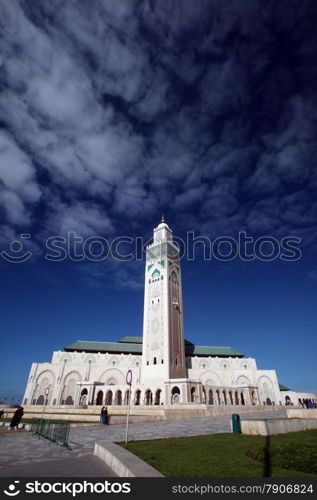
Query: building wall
<point>237,381</point>
<point>290,398</point>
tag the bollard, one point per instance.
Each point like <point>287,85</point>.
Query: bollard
<point>236,424</point>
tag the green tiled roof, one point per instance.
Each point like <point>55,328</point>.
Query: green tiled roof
<point>197,350</point>
<point>134,345</point>
<point>283,387</point>
<point>131,340</point>
<point>115,347</point>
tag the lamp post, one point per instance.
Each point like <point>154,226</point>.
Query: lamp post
<point>129,382</point>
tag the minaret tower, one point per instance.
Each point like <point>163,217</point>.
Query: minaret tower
<point>163,355</point>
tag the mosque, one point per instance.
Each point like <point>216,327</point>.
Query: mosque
<point>166,368</point>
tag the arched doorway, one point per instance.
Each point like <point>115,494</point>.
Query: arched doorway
<point>148,397</point>
<point>118,398</point>
<point>224,397</point>
<point>157,397</point>
<point>69,401</point>
<point>242,398</point>
<point>84,397</point>
<point>109,398</point>
<point>268,402</point>
<point>40,400</point>
<point>288,400</point>
<point>218,397</point>
<point>99,399</point>
<point>204,395</point>
<point>210,398</point>
<point>176,395</point>
<point>236,397</point>
<point>193,394</point>
<point>137,397</point>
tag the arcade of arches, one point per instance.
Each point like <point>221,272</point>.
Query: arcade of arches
<point>112,396</point>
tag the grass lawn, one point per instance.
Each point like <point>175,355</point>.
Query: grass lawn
<point>229,455</point>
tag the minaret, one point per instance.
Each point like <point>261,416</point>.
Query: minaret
<point>163,334</point>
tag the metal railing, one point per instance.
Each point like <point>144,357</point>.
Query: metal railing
<point>53,432</point>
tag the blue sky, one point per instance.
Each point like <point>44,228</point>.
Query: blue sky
<point>114,112</point>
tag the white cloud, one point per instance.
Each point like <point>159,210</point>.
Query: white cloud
<point>18,185</point>
<point>123,119</point>
<point>85,219</point>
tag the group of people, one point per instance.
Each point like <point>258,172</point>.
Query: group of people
<point>308,403</point>
<point>16,419</point>
<point>104,417</point>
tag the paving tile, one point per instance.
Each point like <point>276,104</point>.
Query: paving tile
<point>22,454</point>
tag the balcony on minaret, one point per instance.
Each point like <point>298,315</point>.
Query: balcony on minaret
<point>162,233</point>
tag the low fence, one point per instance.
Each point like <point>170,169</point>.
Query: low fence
<point>53,432</point>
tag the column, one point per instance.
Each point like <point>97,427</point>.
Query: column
<point>90,389</point>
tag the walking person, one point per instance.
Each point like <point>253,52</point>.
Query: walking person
<point>104,415</point>
<point>16,419</point>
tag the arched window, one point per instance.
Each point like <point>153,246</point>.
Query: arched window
<point>154,361</point>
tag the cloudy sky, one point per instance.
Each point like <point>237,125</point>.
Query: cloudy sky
<point>112,112</point>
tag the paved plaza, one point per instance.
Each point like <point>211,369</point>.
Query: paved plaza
<point>23,455</point>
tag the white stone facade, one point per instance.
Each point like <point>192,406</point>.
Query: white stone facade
<point>101,377</point>
<point>162,374</point>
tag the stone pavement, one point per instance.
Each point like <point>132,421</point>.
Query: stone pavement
<point>23,455</point>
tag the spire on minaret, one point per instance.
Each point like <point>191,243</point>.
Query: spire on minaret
<point>162,220</point>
